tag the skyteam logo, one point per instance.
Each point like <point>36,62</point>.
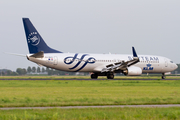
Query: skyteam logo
<point>148,67</point>
<point>70,60</point>
<point>33,38</point>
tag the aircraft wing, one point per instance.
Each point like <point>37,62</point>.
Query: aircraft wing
<point>122,65</point>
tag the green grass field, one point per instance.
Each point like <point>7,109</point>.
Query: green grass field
<point>172,113</point>
<point>15,93</point>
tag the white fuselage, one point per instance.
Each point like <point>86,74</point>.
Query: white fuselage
<point>96,62</point>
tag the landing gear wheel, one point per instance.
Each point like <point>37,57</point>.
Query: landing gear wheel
<point>163,76</point>
<point>110,76</point>
<point>94,76</point>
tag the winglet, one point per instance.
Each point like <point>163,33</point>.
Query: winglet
<point>134,52</point>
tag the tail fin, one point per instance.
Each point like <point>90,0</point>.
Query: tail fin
<point>34,40</point>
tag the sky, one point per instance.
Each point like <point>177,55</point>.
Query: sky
<point>91,26</point>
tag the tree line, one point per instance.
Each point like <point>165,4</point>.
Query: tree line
<point>36,71</point>
<point>49,71</point>
<point>177,71</point>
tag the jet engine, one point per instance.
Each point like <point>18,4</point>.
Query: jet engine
<point>133,71</point>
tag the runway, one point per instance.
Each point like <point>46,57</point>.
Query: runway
<point>81,79</point>
<point>81,107</point>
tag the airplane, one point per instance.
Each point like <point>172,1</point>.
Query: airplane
<point>97,64</point>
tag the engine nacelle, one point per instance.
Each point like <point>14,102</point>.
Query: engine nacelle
<point>133,71</point>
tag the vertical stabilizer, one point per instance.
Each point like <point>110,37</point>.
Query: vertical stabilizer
<point>34,40</point>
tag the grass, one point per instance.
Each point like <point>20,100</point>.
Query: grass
<point>16,93</point>
<point>172,113</point>
<point>19,93</point>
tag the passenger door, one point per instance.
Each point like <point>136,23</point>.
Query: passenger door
<point>55,60</point>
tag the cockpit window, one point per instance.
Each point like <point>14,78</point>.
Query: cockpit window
<point>171,61</point>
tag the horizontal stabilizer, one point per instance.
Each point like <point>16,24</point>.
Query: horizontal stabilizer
<point>16,54</point>
<point>38,55</point>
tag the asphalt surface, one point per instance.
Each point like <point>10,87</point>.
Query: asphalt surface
<point>107,106</point>
<point>83,79</point>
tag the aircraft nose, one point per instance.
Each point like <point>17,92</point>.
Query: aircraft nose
<point>176,66</point>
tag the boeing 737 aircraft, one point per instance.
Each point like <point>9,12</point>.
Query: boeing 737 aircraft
<point>97,64</point>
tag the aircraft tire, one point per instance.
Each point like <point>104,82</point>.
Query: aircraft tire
<point>163,76</point>
<point>94,76</point>
<point>110,76</point>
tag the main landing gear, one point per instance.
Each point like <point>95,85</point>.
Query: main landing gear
<point>94,76</point>
<point>109,75</point>
<point>163,76</point>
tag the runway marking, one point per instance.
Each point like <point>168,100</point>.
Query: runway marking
<point>106,106</point>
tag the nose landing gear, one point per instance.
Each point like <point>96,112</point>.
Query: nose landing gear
<point>163,76</point>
